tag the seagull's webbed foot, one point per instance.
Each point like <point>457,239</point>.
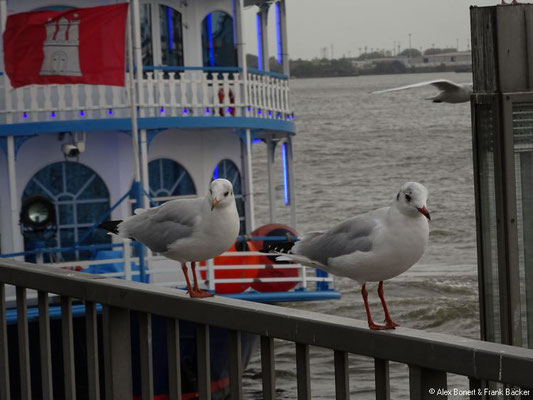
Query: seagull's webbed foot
<point>376,327</point>
<point>199,293</point>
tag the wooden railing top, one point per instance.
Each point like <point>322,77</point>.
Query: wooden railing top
<point>468,357</point>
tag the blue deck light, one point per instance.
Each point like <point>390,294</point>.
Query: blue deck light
<point>285,173</point>
<point>110,112</point>
<point>53,114</point>
<point>259,111</point>
<point>185,111</point>
<point>162,110</point>
<point>82,113</point>
<point>207,110</point>
<point>24,115</point>
<point>270,113</point>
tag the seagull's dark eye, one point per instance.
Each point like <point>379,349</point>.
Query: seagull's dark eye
<point>407,197</point>
<point>225,194</point>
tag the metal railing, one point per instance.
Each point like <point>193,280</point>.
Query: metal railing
<point>162,92</point>
<point>430,356</point>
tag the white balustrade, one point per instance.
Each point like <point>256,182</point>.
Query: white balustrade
<point>161,94</point>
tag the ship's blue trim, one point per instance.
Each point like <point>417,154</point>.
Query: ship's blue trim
<point>124,124</point>
<point>149,68</point>
<point>277,297</point>
<point>272,297</point>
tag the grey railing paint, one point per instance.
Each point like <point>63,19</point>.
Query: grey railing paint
<point>429,355</point>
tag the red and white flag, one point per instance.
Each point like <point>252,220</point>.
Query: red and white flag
<point>83,45</point>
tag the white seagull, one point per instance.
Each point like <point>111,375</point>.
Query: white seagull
<point>371,247</point>
<point>450,92</point>
<point>186,230</point>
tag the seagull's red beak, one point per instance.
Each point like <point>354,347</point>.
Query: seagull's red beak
<point>214,203</point>
<point>424,211</point>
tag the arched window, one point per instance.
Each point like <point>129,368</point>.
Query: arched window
<point>161,35</point>
<point>228,170</point>
<point>218,47</point>
<point>80,198</point>
<point>168,178</point>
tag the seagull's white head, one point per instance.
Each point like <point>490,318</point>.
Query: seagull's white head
<point>221,193</point>
<point>412,199</point>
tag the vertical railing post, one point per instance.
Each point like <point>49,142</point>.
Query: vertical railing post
<point>342,382</point>
<point>303,372</point>
<point>117,353</point>
<point>268,371</point>
<point>24,345</point>
<point>91,333</point>
<point>203,360</point>
<point>235,365</point>
<point>4,359</point>
<point>424,384</point>
<point>45,346</point>
<point>173,354</point>
<point>67,338</point>
<point>381,371</point>
<point>145,341</point>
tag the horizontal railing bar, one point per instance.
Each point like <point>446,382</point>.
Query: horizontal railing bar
<point>462,356</point>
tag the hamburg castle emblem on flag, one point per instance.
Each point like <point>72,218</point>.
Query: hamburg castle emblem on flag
<point>61,47</point>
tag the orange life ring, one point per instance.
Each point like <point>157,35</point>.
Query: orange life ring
<point>238,287</point>
<point>221,96</point>
<point>274,230</point>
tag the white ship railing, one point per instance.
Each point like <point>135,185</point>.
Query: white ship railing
<point>163,92</point>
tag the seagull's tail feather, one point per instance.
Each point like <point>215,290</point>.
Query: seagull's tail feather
<point>110,226</point>
<point>299,259</point>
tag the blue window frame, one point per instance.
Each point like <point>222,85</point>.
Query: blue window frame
<point>169,178</point>
<point>228,170</point>
<point>218,47</point>
<point>80,198</point>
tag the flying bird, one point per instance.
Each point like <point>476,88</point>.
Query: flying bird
<point>450,92</point>
<point>186,230</point>
<point>371,247</point>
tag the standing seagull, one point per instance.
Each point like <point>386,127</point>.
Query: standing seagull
<point>450,92</point>
<point>371,247</point>
<point>186,230</point>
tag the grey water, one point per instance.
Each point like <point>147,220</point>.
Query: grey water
<point>352,151</point>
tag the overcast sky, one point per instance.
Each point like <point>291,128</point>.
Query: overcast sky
<point>380,24</point>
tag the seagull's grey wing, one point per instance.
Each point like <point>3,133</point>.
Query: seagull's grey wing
<point>345,238</point>
<point>446,85</point>
<point>442,84</point>
<point>160,226</point>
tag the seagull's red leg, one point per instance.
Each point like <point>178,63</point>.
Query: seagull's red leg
<point>371,323</point>
<point>190,290</point>
<point>388,320</point>
<point>197,291</point>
